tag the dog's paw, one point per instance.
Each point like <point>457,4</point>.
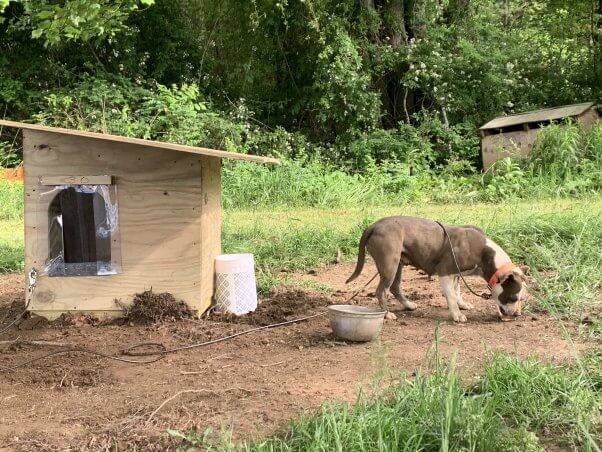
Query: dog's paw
<point>409,306</point>
<point>460,318</point>
<point>466,306</point>
<point>390,316</point>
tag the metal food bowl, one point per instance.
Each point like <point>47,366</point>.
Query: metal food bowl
<point>355,323</point>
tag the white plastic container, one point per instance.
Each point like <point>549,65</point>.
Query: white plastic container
<point>235,286</point>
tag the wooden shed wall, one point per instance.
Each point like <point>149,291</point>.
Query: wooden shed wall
<point>589,117</point>
<point>164,208</point>
<point>499,146</point>
<point>496,146</point>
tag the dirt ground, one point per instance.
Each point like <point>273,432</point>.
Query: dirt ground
<point>252,384</point>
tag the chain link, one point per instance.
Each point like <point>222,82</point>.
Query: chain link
<point>32,277</point>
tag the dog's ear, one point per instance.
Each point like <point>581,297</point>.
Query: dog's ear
<point>520,273</point>
<point>525,269</point>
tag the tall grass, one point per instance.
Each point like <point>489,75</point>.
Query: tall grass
<point>11,246</point>
<point>517,405</point>
<point>316,184</point>
<point>11,226</point>
<point>566,151</point>
<point>11,200</point>
<point>566,161</point>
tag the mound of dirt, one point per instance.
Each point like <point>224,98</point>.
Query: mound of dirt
<point>149,307</point>
<point>77,320</point>
<point>280,307</point>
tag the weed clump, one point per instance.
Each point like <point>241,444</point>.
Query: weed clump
<point>150,307</point>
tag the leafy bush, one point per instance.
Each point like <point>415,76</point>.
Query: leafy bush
<point>558,151</point>
<point>114,105</point>
<point>10,155</point>
<point>280,143</point>
<point>345,104</point>
<point>404,145</point>
<point>299,183</point>
<point>429,160</point>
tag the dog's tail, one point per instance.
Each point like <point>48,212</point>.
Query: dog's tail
<point>361,254</point>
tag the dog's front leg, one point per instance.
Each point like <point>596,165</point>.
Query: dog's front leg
<point>449,290</point>
<point>461,303</point>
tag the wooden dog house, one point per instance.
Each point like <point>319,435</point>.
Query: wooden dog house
<point>109,216</point>
<point>514,135</point>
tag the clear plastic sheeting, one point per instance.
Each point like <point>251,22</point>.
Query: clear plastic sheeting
<point>83,230</point>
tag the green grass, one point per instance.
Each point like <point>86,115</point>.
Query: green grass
<point>11,200</point>
<point>11,245</point>
<point>11,226</point>
<point>517,405</point>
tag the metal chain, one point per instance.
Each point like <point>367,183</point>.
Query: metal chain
<point>451,247</point>
<point>32,278</point>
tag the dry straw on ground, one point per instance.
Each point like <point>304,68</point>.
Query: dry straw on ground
<point>150,307</point>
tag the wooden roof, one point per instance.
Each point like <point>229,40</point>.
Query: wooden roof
<point>545,114</point>
<point>139,141</point>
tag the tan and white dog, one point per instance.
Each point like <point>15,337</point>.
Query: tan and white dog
<point>397,241</point>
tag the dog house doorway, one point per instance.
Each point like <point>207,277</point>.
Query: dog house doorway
<point>83,237</point>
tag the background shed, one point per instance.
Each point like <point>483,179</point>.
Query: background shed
<point>514,135</point>
<point>108,216</point>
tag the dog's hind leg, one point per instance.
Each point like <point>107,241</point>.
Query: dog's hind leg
<point>449,290</point>
<point>398,293</point>
<point>387,266</point>
<point>461,303</point>
<point>386,252</point>
<point>381,295</point>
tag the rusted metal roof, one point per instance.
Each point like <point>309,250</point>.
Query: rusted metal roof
<point>545,114</point>
<point>139,141</point>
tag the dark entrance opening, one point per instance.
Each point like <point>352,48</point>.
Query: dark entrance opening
<point>79,234</point>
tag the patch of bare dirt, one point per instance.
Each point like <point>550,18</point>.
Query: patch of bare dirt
<point>282,306</point>
<point>251,384</point>
<point>69,371</point>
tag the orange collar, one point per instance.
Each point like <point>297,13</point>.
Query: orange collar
<point>496,276</point>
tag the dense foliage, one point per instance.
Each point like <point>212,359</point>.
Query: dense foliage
<point>352,81</point>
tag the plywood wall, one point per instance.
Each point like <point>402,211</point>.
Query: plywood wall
<point>169,220</point>
<point>588,118</point>
<point>211,220</point>
<point>513,144</point>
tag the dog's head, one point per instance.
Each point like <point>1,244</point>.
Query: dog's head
<point>510,291</point>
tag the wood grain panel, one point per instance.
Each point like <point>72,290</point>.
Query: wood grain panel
<point>160,217</point>
<point>71,180</point>
<point>211,221</point>
<point>513,144</point>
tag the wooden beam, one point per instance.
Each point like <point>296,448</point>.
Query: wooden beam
<point>211,228</point>
<point>148,143</point>
<point>76,180</point>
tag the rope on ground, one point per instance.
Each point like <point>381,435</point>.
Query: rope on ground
<point>162,351</point>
